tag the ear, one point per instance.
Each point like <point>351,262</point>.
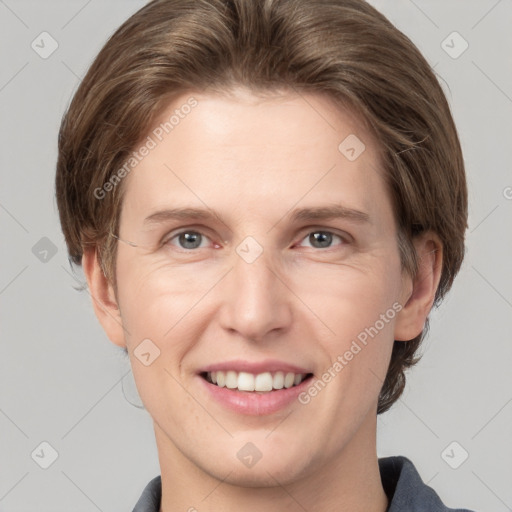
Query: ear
<point>103,297</point>
<point>419,292</point>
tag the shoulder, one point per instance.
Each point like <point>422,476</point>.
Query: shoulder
<point>149,500</point>
<point>401,481</point>
<point>406,490</point>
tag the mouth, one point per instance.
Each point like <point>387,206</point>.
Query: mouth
<point>257,388</point>
<point>265,382</point>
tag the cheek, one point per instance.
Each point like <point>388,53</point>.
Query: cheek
<point>360,309</point>
<point>159,306</point>
<point>155,297</point>
<point>348,300</point>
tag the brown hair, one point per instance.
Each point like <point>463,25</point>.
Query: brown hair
<point>343,48</point>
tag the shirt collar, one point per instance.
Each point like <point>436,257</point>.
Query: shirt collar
<point>402,484</point>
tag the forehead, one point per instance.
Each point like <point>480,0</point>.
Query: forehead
<point>250,153</point>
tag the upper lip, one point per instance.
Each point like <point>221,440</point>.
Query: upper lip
<point>267,365</point>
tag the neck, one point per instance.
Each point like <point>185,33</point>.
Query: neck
<point>348,481</point>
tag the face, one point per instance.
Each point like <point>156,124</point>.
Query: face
<point>264,289</point>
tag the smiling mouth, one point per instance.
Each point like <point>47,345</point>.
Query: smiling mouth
<point>265,382</point>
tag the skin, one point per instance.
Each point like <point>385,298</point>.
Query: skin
<point>252,160</point>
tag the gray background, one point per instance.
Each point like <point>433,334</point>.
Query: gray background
<point>61,380</point>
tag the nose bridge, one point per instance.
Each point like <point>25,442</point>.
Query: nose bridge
<point>255,300</point>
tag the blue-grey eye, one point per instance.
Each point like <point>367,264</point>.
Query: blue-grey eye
<point>322,239</point>
<point>188,239</point>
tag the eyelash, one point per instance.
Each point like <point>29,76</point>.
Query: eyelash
<point>166,241</point>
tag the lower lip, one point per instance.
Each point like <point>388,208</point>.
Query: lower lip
<point>253,402</point>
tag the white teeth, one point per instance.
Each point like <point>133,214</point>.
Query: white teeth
<point>278,380</point>
<point>288,380</point>
<point>231,380</point>
<point>245,381</point>
<point>263,382</point>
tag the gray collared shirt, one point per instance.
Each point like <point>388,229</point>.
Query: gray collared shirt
<point>401,481</point>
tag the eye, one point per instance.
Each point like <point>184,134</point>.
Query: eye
<point>187,239</point>
<point>321,239</point>
<point>191,239</point>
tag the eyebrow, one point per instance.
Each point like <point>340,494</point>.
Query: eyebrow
<point>300,214</point>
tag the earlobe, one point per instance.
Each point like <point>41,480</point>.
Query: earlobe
<point>420,295</point>
<point>103,297</point>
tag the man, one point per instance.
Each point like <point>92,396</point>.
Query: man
<point>267,198</point>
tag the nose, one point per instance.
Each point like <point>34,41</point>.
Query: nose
<point>256,299</point>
